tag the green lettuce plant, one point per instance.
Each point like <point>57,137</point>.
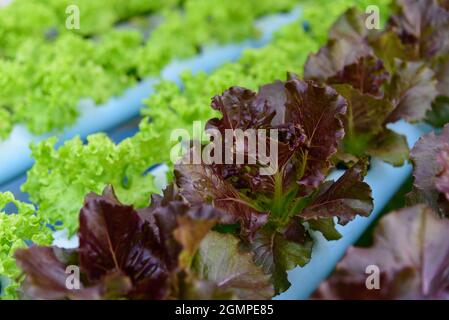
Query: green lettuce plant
<point>17,230</point>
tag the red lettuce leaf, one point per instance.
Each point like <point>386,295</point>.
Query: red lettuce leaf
<point>45,268</point>
<point>412,90</point>
<point>441,68</point>
<point>221,260</point>
<point>390,147</point>
<point>442,180</point>
<point>410,250</point>
<point>348,63</point>
<point>423,25</point>
<point>366,133</point>
<point>348,57</point>
<point>122,253</point>
<point>199,183</point>
<point>179,224</point>
<point>439,115</point>
<point>241,109</point>
<point>113,237</point>
<point>346,198</point>
<point>279,251</point>
<point>366,113</point>
<point>307,117</point>
<point>426,170</point>
<point>318,110</point>
<point>351,26</point>
<point>367,75</point>
<point>385,45</point>
<point>342,61</point>
<point>418,30</point>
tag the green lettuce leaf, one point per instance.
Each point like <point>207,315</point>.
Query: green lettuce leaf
<point>61,178</point>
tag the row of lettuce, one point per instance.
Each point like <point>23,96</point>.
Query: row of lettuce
<point>225,231</point>
<point>47,68</point>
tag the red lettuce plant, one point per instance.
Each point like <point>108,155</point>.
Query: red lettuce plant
<point>380,81</point>
<point>425,43</point>
<point>273,214</point>
<point>411,246</point>
<point>442,181</point>
<point>410,253</point>
<point>145,254</point>
<point>431,162</point>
